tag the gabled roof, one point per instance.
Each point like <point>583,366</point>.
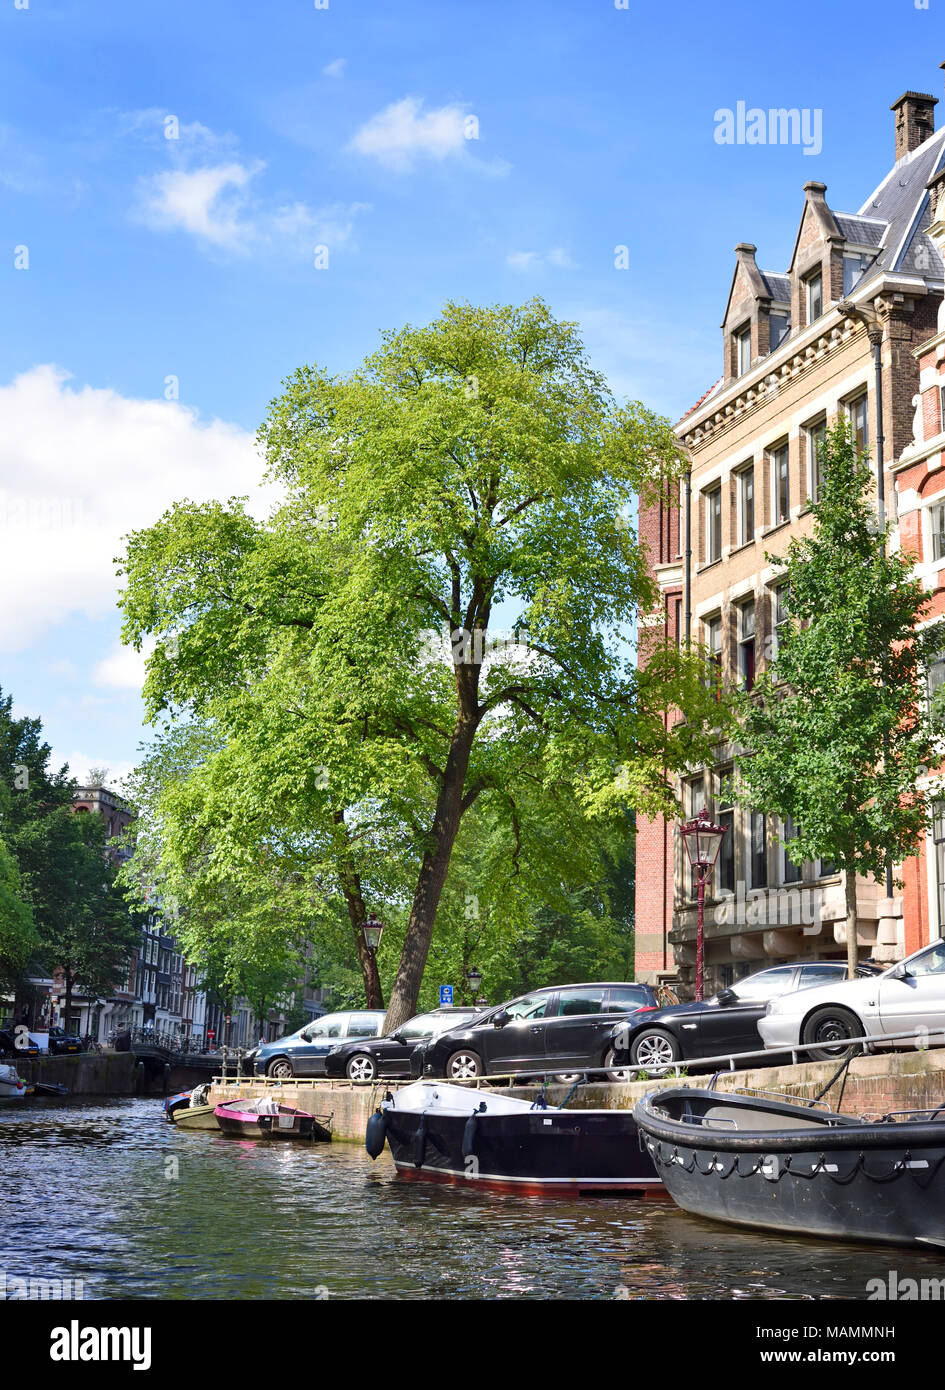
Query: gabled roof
<point>779,286</point>
<point>704,397</point>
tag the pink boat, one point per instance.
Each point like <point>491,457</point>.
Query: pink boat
<point>265,1118</point>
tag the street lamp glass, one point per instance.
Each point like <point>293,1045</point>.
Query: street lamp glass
<point>373,931</point>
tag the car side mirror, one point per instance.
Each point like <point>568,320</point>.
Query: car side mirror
<point>902,972</point>
<point>500,1019</point>
<point>398,1037</point>
<point>727,996</point>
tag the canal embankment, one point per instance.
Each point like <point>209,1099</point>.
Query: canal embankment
<point>874,1085</point>
<point>88,1074</point>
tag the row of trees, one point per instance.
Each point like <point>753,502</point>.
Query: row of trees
<point>60,904</point>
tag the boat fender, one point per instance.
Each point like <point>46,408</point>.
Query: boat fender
<point>469,1136</point>
<point>469,1133</point>
<point>420,1142</point>
<point>376,1134</point>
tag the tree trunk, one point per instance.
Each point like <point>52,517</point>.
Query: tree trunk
<point>350,881</point>
<point>433,871</point>
<point>849,887</point>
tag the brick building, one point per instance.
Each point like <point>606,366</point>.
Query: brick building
<point>849,328</point>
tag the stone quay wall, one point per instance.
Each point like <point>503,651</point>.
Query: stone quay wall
<point>874,1085</point>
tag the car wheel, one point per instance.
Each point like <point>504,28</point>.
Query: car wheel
<point>568,1078</point>
<point>832,1025</point>
<point>653,1050</point>
<point>463,1066</point>
<point>619,1073</point>
<point>281,1067</point>
<point>361,1068</point>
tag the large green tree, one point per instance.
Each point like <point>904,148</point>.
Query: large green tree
<point>438,610</point>
<point>841,729</point>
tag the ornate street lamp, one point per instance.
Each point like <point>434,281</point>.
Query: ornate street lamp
<point>474,980</point>
<point>702,841</point>
<point>373,931</point>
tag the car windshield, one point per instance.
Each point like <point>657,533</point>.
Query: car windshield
<point>765,985</point>
<point>330,1027</point>
<point>428,1025</point>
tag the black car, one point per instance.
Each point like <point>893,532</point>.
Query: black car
<point>559,1029</point>
<point>9,1041</point>
<point>368,1058</point>
<point>728,1022</point>
<point>63,1044</point>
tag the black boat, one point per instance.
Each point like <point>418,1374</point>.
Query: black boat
<point>785,1166</point>
<point>451,1133</point>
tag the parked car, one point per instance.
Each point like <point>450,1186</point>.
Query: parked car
<point>64,1044</point>
<point>557,1029</point>
<point>303,1053</point>
<point>906,998</point>
<point>728,1022</point>
<point>367,1059</point>
<point>8,1045</point>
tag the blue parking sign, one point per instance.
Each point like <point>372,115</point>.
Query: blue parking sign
<point>446,994</point>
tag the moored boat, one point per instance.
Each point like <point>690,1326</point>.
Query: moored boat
<point>449,1133</point>
<point>784,1166</point>
<point>265,1118</point>
<point>189,1109</point>
<point>12,1086</point>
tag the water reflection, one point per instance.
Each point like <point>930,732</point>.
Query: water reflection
<point>109,1193</point>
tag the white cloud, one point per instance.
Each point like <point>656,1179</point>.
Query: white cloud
<point>335,68</point>
<point>210,203</point>
<point>81,468</point>
<point>123,668</point>
<point>404,133</point>
<point>81,763</point>
<point>557,257</point>
<point>215,205</point>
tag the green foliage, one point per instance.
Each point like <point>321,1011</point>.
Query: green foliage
<point>18,936</point>
<point>332,654</point>
<point>841,730</point>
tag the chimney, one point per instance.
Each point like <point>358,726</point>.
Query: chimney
<point>915,121</point>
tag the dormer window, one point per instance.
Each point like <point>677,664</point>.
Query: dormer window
<point>853,268</point>
<point>814,287</point>
<point>779,326</point>
<point>743,350</point>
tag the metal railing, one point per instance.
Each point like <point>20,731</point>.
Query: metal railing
<point>724,1060</point>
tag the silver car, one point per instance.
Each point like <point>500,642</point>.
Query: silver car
<point>907,998</point>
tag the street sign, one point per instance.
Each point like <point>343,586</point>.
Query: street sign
<point>446,994</point>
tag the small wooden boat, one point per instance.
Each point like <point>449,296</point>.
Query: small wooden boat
<point>265,1118</point>
<point>12,1086</point>
<point>196,1117</point>
<point>456,1134</point>
<point>778,1164</point>
<point>50,1088</point>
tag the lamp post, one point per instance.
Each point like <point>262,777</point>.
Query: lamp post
<point>702,841</point>
<point>474,980</point>
<point>373,931</point>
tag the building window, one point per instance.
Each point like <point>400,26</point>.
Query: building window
<point>746,645</point>
<point>780,489</point>
<point>779,326</point>
<point>941,408</point>
<point>814,285</point>
<point>791,871</point>
<point>743,351</point>
<point>816,439</point>
<point>745,484</point>
<point>938,840</point>
<point>725,864</point>
<point>677,620</point>
<point>937,531</point>
<point>858,415</point>
<point>759,850</point>
<point>853,268</point>
<point>696,804</point>
<point>713,629</point>
<point>713,525</point>
<point>935,675</point>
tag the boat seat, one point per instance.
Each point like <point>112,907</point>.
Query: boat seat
<point>751,1120</point>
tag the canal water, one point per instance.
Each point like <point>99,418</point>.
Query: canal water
<point>108,1193</point>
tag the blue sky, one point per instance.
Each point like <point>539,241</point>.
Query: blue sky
<point>487,152</point>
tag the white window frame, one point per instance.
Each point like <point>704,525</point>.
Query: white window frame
<point>774,455</point>
<point>742,474</point>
